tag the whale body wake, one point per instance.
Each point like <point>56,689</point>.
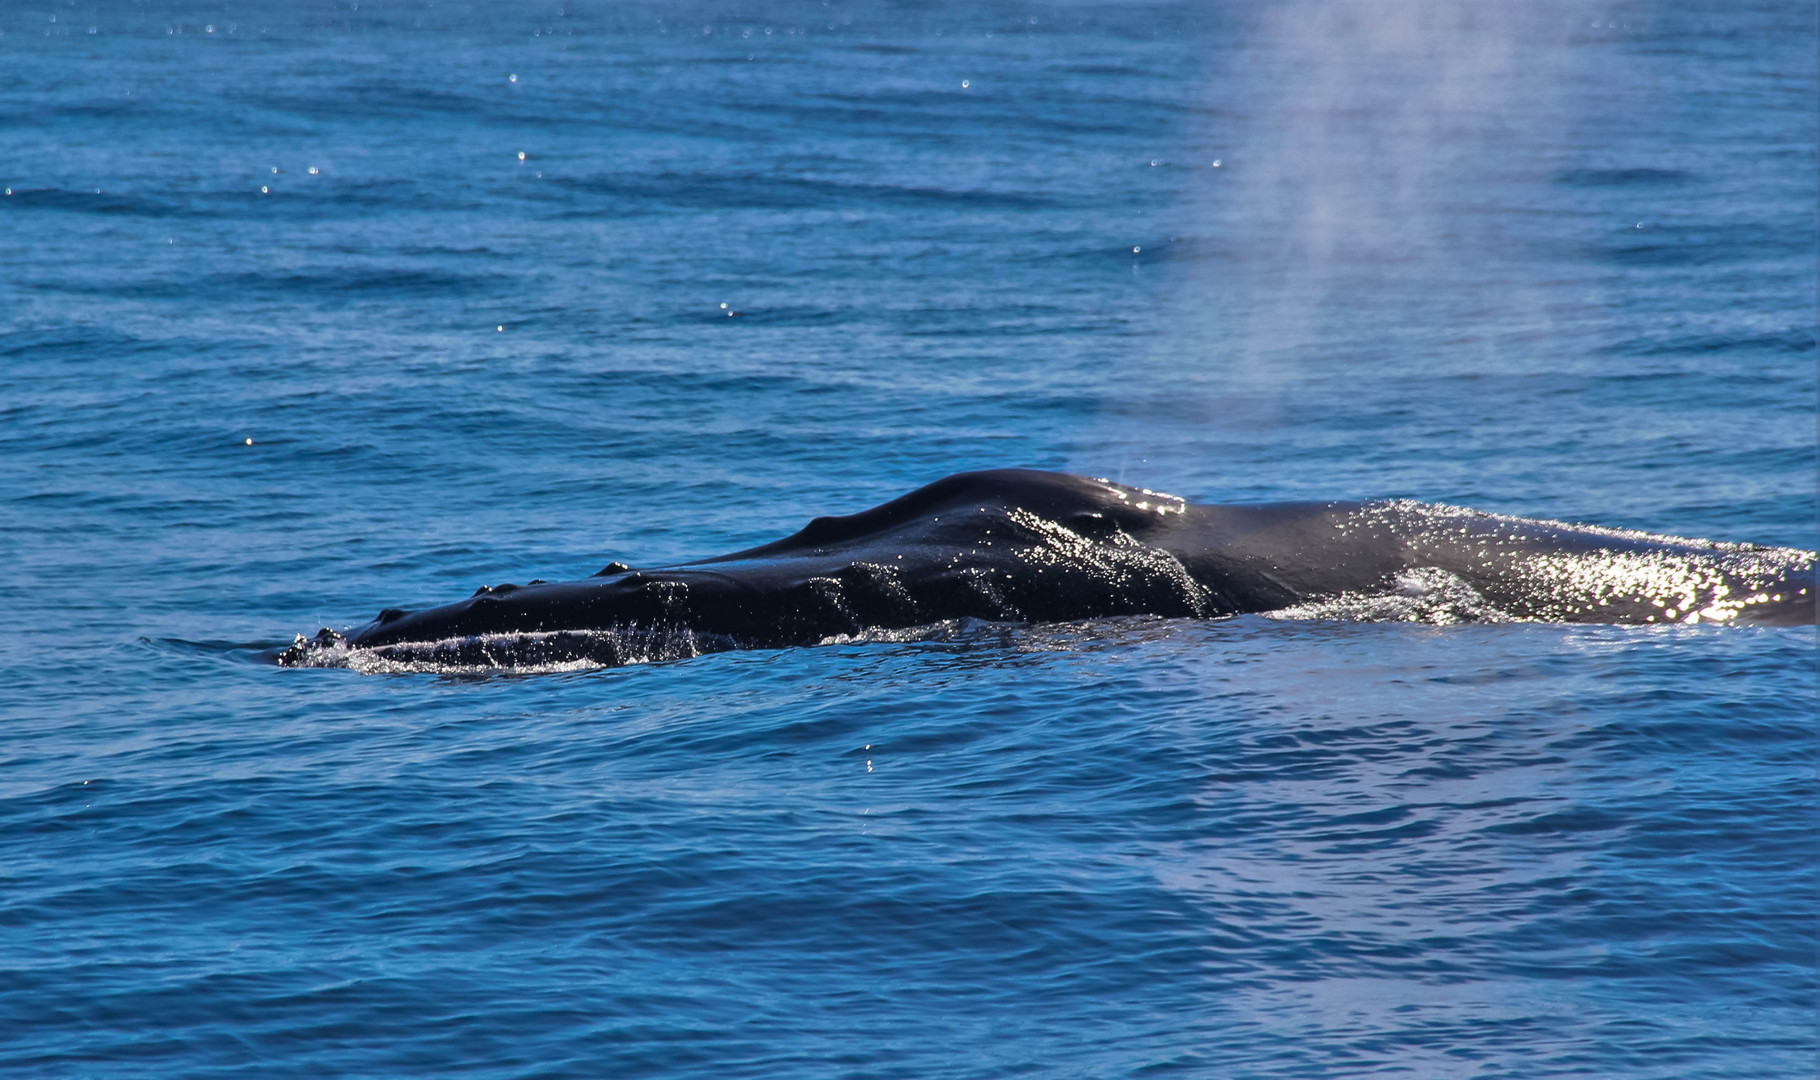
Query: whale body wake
<point>1022,546</point>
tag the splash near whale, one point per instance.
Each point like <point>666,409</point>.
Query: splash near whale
<point>1022,546</point>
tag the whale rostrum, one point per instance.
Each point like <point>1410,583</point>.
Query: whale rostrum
<point>1022,546</point>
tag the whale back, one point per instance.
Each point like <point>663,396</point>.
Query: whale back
<point>1016,545</point>
<point>1060,497</point>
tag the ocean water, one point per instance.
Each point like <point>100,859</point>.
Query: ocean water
<point>311,309</point>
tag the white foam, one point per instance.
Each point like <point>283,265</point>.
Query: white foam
<point>1425,595</point>
<point>522,653</point>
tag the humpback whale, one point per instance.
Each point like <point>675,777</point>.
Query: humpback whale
<point>1023,546</point>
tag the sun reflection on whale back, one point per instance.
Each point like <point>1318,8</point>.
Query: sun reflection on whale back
<point>1025,547</point>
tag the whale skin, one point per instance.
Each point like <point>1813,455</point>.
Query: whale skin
<point>1025,546</point>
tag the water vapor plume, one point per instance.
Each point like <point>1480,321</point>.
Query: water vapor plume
<point>1363,170</point>
<point>1373,184</point>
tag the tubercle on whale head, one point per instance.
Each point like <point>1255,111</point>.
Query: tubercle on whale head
<point>303,649</point>
<point>627,598</point>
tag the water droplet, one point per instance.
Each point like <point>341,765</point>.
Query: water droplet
<point>965,83</point>
<point>521,155</point>
<point>249,442</point>
<point>313,170</point>
<point>1135,249</point>
<point>513,78</point>
<point>263,190</point>
<point>502,328</point>
<point>1216,163</point>
<point>723,307</point>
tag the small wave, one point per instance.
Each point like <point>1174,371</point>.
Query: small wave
<point>403,282</point>
<point>240,652</point>
<point>1620,177</point>
<point>1793,340</point>
<point>772,192</point>
<point>90,201</point>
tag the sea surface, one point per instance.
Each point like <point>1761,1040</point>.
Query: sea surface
<point>309,309</point>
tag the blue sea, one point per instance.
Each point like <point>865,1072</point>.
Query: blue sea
<point>314,308</point>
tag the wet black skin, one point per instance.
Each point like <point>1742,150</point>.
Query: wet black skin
<point>1027,546</point>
